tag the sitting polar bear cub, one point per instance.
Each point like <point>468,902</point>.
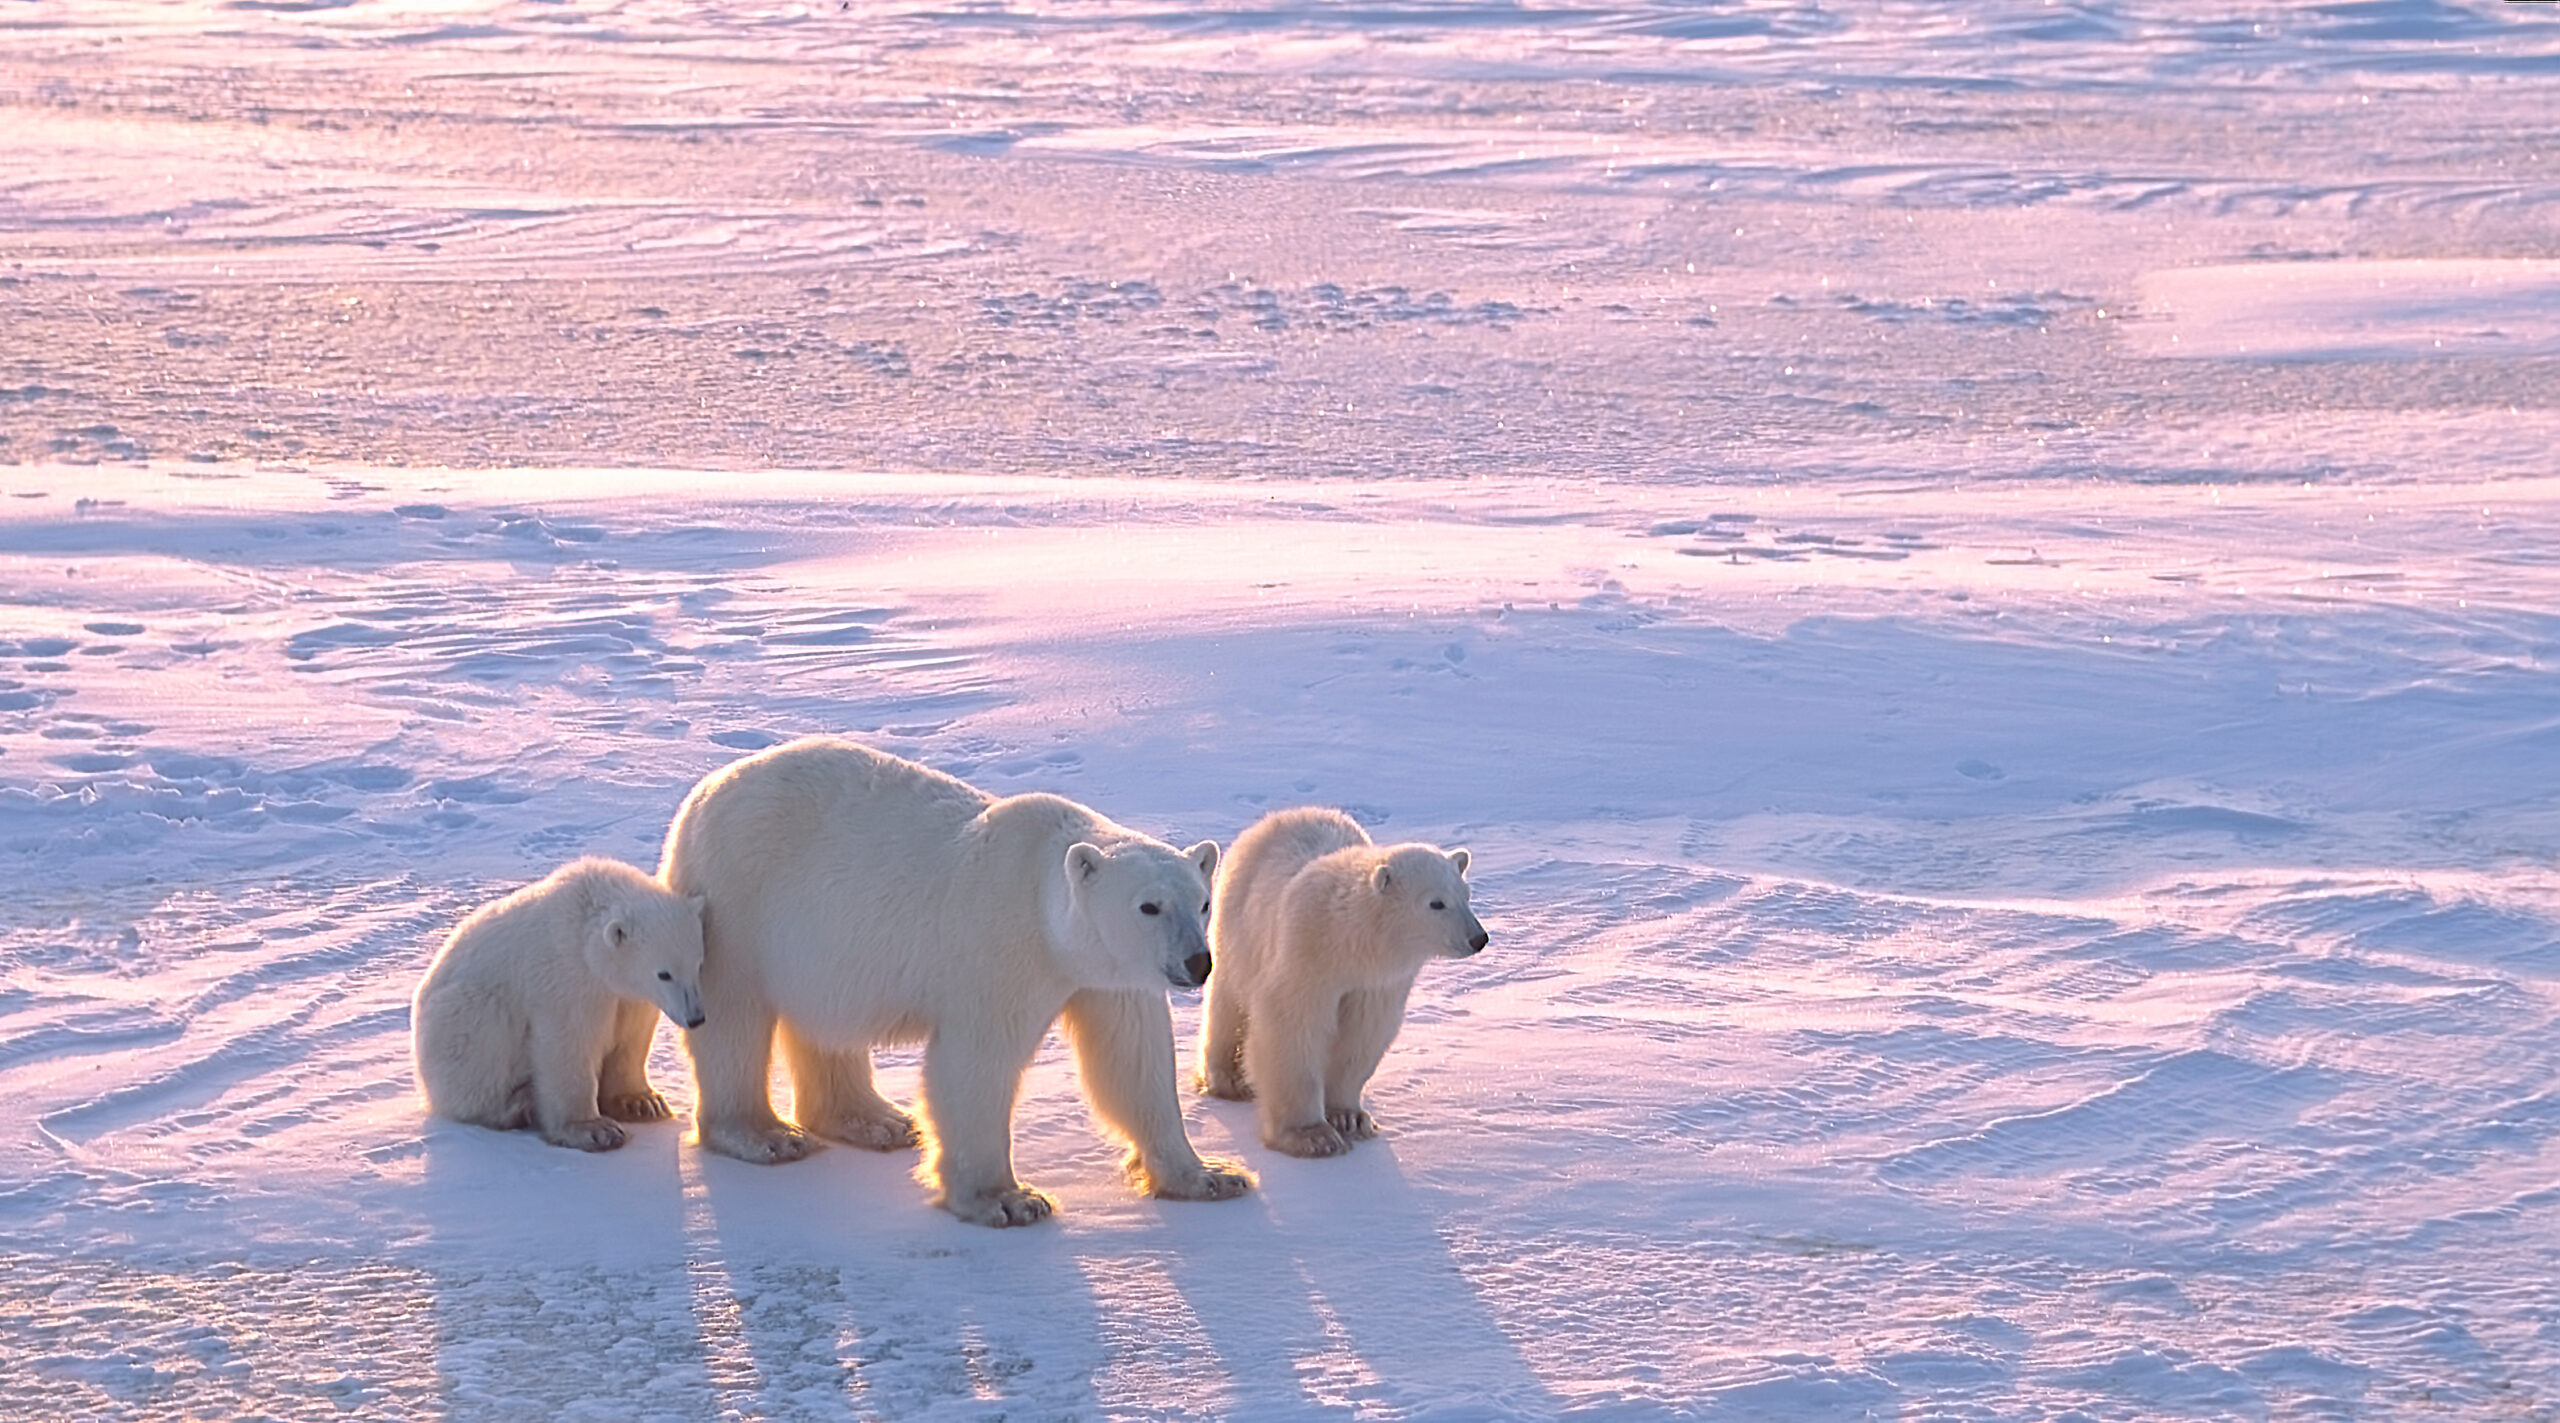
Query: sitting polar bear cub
<point>855,898</point>
<point>1319,935</point>
<point>538,1011</point>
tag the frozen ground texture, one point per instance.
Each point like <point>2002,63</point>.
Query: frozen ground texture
<point>1979,578</point>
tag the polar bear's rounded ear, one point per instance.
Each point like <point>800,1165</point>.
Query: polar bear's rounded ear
<point>616,932</point>
<point>1084,861</point>
<point>1379,878</point>
<point>1204,858</point>
<point>1459,859</point>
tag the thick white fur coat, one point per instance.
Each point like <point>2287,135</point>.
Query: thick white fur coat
<point>1318,937</point>
<point>539,1009</point>
<point>855,898</point>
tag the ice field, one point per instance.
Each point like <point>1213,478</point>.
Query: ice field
<point>1981,581</point>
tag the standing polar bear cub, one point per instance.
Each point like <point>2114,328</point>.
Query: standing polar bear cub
<point>539,1010</point>
<point>1319,935</point>
<point>855,898</point>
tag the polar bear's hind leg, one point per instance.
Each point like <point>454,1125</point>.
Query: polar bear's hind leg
<point>832,1095</point>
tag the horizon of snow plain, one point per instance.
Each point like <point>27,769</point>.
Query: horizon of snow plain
<point>1978,579</point>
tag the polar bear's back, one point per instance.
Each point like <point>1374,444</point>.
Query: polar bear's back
<point>821,784</point>
<point>819,807</point>
<point>837,875</point>
<point>1245,926</point>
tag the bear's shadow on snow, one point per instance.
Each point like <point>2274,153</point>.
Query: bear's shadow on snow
<point>1329,1291</point>
<point>1333,1287</point>
<point>535,1249</point>
<point>849,1284</point>
<point>825,1278</point>
<point>509,1196</point>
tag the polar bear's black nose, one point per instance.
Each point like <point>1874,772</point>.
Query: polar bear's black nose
<point>1198,967</point>
<point>696,1021</point>
<point>1477,940</point>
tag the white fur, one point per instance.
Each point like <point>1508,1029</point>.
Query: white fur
<point>539,1010</point>
<point>854,898</point>
<point>1319,935</point>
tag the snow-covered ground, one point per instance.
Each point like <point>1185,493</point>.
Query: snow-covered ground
<point>1983,582</point>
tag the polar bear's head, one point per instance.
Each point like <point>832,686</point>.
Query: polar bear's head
<point>647,943</point>
<point>1139,913</point>
<point>1423,895</point>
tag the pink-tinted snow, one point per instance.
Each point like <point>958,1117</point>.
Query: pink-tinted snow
<point>1979,580</point>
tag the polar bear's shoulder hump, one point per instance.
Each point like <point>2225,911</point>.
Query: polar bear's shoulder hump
<point>1039,814</point>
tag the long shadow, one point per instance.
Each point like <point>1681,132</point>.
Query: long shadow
<point>559,1276</point>
<point>1332,1293</point>
<point>686,1284</point>
<point>830,1288</point>
<point>661,1281</point>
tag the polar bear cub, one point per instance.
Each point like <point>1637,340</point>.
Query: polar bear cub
<point>539,1010</point>
<point>1318,936</point>
<point>855,898</point>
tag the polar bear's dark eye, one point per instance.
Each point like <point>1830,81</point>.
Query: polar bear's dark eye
<point>1204,909</point>
<point>1439,904</point>
<point>665,977</point>
<point>1149,909</point>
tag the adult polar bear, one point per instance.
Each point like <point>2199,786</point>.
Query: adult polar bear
<point>853,898</point>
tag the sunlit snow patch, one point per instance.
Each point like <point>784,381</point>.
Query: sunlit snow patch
<point>2340,310</point>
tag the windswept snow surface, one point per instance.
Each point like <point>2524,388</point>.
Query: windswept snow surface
<point>1979,578</point>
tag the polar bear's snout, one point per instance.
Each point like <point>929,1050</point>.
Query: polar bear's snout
<point>1186,963</point>
<point>682,1003</point>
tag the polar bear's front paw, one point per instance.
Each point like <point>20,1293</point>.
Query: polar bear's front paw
<point>766,1146</point>
<point>890,1133</point>
<point>641,1106</point>
<point>1308,1139</point>
<point>587,1134</point>
<point>1353,1123</point>
<point>1010,1205</point>
<point>1214,1181</point>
